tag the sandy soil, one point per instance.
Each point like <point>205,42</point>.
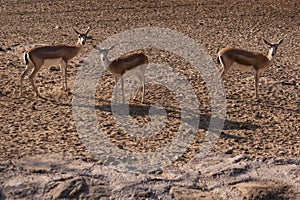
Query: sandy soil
<point>264,129</point>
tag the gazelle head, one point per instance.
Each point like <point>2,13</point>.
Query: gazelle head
<point>103,53</point>
<point>273,47</point>
<point>82,36</point>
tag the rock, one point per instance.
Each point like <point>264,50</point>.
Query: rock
<point>216,176</point>
<point>192,194</point>
<point>264,190</point>
<point>70,189</point>
<point>143,194</point>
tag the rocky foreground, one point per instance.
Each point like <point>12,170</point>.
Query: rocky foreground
<point>55,176</point>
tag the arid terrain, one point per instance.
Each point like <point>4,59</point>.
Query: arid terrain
<point>262,130</point>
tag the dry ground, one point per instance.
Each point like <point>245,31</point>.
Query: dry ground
<point>268,128</point>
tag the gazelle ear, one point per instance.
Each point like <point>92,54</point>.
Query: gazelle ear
<point>280,41</point>
<point>266,42</point>
<point>76,31</point>
<point>88,30</point>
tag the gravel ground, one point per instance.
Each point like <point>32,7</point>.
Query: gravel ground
<point>263,129</point>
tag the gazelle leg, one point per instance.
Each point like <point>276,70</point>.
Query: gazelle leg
<point>143,82</point>
<point>122,85</point>
<point>62,75</point>
<point>22,78</point>
<point>116,90</point>
<point>143,95</point>
<point>136,92</point>
<point>66,85</point>
<point>63,66</point>
<point>256,77</point>
<point>138,88</point>
<point>31,77</point>
<point>221,69</point>
<point>141,77</point>
<point>226,68</point>
<point>226,64</point>
<point>143,87</point>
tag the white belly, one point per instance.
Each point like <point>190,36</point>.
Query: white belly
<point>131,72</point>
<point>243,68</point>
<point>52,62</point>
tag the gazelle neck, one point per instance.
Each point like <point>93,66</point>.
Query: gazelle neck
<point>78,44</point>
<point>271,53</point>
<point>76,49</point>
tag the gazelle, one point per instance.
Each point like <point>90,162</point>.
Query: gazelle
<point>247,61</point>
<point>133,63</point>
<point>50,55</point>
